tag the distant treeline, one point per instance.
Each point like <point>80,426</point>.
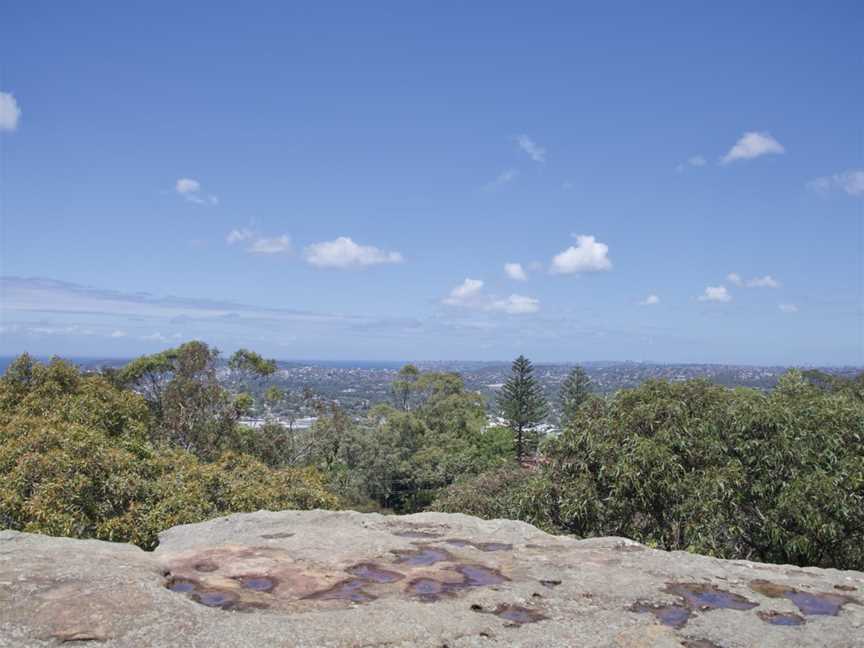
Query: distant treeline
<point>124,452</point>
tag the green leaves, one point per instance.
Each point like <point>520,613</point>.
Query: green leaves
<point>76,460</point>
<point>776,477</point>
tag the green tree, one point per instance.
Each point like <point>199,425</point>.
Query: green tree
<point>190,407</point>
<point>773,477</point>
<point>575,390</point>
<point>522,405</point>
<point>404,385</point>
<point>76,461</point>
<point>250,363</point>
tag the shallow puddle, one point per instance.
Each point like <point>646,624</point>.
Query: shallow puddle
<point>215,598</point>
<point>347,590</point>
<point>674,616</point>
<point>428,589</point>
<point>181,585</point>
<point>809,603</point>
<point>423,556</point>
<point>374,573</point>
<point>479,576</point>
<point>257,583</point>
<point>518,614</point>
<point>709,597</point>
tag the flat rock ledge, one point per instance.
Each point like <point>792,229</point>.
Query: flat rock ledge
<point>324,578</point>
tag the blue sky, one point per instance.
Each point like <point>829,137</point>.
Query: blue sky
<point>349,180</point>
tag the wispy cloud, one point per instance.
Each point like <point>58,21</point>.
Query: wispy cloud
<point>190,190</point>
<point>515,305</point>
<point>716,294</point>
<point>531,148</point>
<point>49,297</point>
<point>10,112</point>
<point>239,235</point>
<point>588,255</point>
<point>343,253</point>
<point>766,281</point>
<point>504,178</point>
<point>256,244</point>
<point>850,181</point>
<point>753,145</point>
<point>275,245</point>
<point>788,308</point>
<point>693,161</point>
<point>650,300</point>
<point>515,271</point>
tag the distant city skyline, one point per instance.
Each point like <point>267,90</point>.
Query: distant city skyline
<point>622,182</point>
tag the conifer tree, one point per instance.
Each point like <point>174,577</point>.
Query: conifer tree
<point>522,404</point>
<point>574,391</point>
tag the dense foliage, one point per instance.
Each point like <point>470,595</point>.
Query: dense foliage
<point>81,457</point>
<point>121,455</point>
<point>403,454</point>
<point>775,477</point>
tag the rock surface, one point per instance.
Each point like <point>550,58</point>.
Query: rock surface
<point>321,578</point>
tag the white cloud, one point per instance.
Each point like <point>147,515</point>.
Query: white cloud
<point>275,245</point>
<point>238,235</point>
<point>650,300</point>
<point>118,334</point>
<point>259,244</point>
<point>762,282</point>
<point>851,181</point>
<point>752,145</point>
<point>465,293</point>
<point>345,253</point>
<point>469,294</point>
<point>515,271</point>
<point>190,189</point>
<point>516,305</point>
<point>155,337</point>
<point>505,177</point>
<point>716,294</point>
<point>756,282</point>
<point>534,150</point>
<point>187,186</point>
<point>588,255</point>
<point>788,308</point>
<point>10,113</point>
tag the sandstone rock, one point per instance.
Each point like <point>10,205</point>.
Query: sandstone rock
<point>322,578</point>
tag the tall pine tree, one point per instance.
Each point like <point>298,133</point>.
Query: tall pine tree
<point>574,391</point>
<point>522,404</point>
